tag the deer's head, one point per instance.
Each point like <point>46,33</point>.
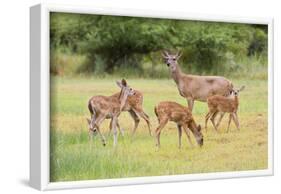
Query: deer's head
<point>126,91</point>
<point>236,92</point>
<point>171,60</point>
<point>90,126</point>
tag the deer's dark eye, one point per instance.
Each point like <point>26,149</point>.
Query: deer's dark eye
<point>174,59</point>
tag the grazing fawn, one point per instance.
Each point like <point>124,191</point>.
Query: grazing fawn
<point>223,105</point>
<point>172,111</point>
<point>102,107</point>
<point>134,106</point>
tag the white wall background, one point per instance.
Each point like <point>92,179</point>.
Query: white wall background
<point>14,96</point>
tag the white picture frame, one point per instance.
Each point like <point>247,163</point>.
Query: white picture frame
<point>40,97</point>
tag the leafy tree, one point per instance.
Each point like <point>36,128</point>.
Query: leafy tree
<point>111,42</point>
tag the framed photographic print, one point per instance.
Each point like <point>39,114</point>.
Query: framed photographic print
<point>124,97</point>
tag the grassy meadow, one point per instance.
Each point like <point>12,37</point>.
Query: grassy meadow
<point>73,157</point>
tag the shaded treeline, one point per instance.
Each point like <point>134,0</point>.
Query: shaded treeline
<point>85,43</point>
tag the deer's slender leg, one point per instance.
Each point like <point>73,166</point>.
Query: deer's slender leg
<point>136,120</point>
<point>213,120</point>
<point>229,121</point>
<point>143,115</point>
<point>110,127</point>
<point>93,120</point>
<point>114,121</point>
<point>118,126</point>
<point>180,134</point>
<point>162,124</point>
<point>188,135</point>
<point>235,118</point>
<point>190,104</point>
<point>221,116</point>
<point>91,132</point>
<point>102,137</point>
<point>94,115</point>
<point>98,121</point>
<point>208,115</point>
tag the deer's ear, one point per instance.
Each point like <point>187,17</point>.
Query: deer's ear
<point>242,88</point>
<point>179,54</point>
<point>124,83</point>
<point>89,121</point>
<point>165,54</point>
<point>119,84</point>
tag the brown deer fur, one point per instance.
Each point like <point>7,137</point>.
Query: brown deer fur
<point>195,87</point>
<point>223,105</point>
<point>134,106</point>
<point>102,107</point>
<point>172,111</point>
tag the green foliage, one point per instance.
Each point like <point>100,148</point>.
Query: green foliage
<point>65,63</point>
<point>68,30</point>
<point>123,41</point>
<point>258,44</point>
<point>114,43</point>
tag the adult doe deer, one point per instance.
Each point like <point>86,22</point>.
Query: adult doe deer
<point>195,87</point>
<point>172,111</point>
<point>102,107</point>
<point>223,104</point>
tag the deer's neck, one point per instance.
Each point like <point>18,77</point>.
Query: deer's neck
<point>177,75</point>
<point>192,126</point>
<point>236,101</point>
<point>122,98</point>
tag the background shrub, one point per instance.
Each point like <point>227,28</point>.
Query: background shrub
<point>107,45</point>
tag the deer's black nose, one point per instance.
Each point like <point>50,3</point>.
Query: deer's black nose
<point>168,64</point>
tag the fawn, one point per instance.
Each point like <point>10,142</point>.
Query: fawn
<point>224,105</point>
<point>102,107</point>
<point>172,111</point>
<point>134,106</point>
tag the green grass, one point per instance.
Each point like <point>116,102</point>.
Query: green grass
<point>73,157</point>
